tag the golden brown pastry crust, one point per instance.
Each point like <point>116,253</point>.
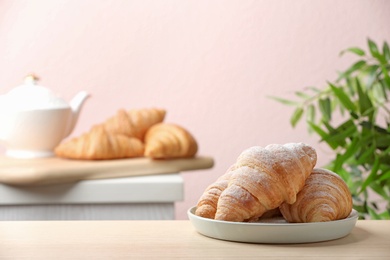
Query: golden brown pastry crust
<point>263,179</point>
<point>207,204</point>
<point>325,197</point>
<point>166,141</point>
<point>135,122</point>
<point>98,144</point>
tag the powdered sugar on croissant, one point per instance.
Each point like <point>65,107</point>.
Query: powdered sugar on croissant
<point>263,179</point>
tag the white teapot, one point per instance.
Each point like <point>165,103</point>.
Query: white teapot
<point>33,120</point>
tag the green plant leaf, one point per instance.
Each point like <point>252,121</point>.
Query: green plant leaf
<point>364,100</point>
<point>354,115</point>
<point>341,133</point>
<point>342,158</point>
<point>369,153</point>
<point>387,151</point>
<point>296,116</point>
<point>284,101</point>
<point>370,126</point>
<point>386,76</point>
<point>373,214</point>
<point>328,126</point>
<point>360,209</point>
<point>339,161</point>
<point>311,113</point>
<point>386,51</point>
<point>339,136</point>
<point>383,141</point>
<point>372,74</point>
<point>345,176</point>
<point>343,97</point>
<point>352,148</point>
<point>325,108</point>
<point>385,214</point>
<point>372,175</point>
<point>379,92</point>
<point>384,176</point>
<point>314,89</point>
<point>347,124</point>
<point>356,66</point>
<point>310,116</point>
<point>302,94</point>
<point>323,134</point>
<point>355,50</point>
<point>384,83</point>
<point>373,47</point>
<point>379,190</point>
<point>383,90</point>
<point>375,52</point>
<point>350,85</point>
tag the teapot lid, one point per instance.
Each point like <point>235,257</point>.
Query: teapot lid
<point>30,96</point>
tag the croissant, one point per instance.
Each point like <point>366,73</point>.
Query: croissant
<point>98,144</point>
<point>263,179</point>
<point>134,123</point>
<point>325,197</point>
<point>207,204</point>
<point>164,141</point>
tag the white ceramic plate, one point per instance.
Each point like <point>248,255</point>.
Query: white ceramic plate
<point>276,231</point>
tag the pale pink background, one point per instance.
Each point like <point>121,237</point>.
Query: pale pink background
<point>210,64</point>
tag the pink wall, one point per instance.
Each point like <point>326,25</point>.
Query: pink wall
<point>210,64</point>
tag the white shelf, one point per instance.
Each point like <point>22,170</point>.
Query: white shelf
<point>149,197</point>
<point>142,189</point>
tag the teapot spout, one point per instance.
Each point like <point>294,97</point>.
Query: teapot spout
<point>77,102</point>
<point>76,105</point>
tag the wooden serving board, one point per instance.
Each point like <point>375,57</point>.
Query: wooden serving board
<point>44,171</point>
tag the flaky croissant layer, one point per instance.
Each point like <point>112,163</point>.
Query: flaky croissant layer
<point>98,144</point>
<point>166,141</point>
<point>325,197</point>
<point>207,204</point>
<point>135,122</point>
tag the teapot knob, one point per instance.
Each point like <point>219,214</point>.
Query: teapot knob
<point>31,79</point>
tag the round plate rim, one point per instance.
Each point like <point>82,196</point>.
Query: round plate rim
<point>352,215</point>
<point>273,232</point>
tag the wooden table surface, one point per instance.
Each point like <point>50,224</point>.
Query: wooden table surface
<point>172,240</point>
